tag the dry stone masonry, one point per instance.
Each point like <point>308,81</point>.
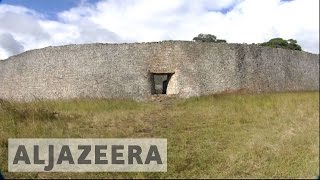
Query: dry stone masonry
<point>131,70</point>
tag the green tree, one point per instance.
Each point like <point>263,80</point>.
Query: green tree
<point>208,38</point>
<point>281,43</point>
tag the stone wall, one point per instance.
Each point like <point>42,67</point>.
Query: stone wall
<point>124,70</point>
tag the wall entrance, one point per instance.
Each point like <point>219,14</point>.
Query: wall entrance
<point>160,82</point>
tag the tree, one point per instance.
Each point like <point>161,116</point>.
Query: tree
<point>208,38</point>
<point>293,44</point>
<point>281,43</point>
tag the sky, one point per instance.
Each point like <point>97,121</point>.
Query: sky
<point>33,24</point>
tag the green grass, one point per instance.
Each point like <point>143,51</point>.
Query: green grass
<point>235,136</point>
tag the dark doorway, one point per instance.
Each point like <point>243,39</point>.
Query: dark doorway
<point>160,82</point>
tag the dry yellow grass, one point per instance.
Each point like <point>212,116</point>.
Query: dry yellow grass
<point>246,136</point>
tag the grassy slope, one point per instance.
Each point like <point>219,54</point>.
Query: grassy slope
<point>271,135</point>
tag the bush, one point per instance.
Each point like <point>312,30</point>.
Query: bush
<point>281,43</point>
<point>208,38</point>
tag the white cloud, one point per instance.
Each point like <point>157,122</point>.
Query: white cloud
<point>10,45</point>
<point>249,21</point>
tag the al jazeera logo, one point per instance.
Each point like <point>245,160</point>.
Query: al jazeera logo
<point>87,155</point>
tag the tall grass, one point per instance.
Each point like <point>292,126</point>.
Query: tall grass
<point>268,135</point>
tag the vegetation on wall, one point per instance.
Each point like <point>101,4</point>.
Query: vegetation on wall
<point>208,38</point>
<point>274,43</point>
<point>282,43</point>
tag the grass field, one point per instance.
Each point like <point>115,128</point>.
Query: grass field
<point>268,135</point>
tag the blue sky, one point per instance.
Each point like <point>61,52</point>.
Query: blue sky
<point>50,8</point>
<point>30,24</point>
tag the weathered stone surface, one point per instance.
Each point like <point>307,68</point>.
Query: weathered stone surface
<point>124,70</point>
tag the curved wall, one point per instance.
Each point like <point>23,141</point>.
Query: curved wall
<point>123,70</point>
